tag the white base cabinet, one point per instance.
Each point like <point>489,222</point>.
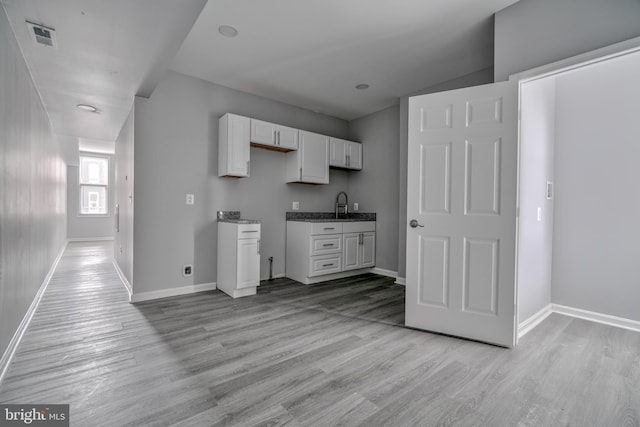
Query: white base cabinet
<point>319,251</point>
<point>238,258</point>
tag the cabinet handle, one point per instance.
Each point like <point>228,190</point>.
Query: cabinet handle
<point>361,239</point>
<point>250,231</point>
<point>300,174</point>
<point>348,160</point>
<point>329,228</point>
<point>326,245</point>
<point>327,265</point>
<point>259,246</point>
<point>278,137</point>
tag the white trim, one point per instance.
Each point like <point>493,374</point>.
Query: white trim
<point>384,272</point>
<point>7,357</point>
<point>172,292</point>
<point>401,281</point>
<point>123,279</point>
<point>89,239</point>
<point>605,319</point>
<point>533,321</point>
<point>335,276</point>
<point>594,56</point>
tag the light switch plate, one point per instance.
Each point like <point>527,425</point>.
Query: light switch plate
<point>295,206</point>
<point>355,206</point>
<point>190,199</point>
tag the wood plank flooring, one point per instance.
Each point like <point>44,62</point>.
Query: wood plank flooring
<point>304,355</point>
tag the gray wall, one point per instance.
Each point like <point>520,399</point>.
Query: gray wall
<point>176,152</point>
<point>531,33</point>
<point>123,189</point>
<point>473,79</point>
<point>86,227</point>
<point>535,238</point>
<point>375,188</point>
<point>597,205</point>
<point>33,188</point>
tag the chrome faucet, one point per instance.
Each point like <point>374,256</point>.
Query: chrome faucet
<point>339,206</point>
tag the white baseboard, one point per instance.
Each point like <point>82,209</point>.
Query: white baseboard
<point>606,319</point>
<point>533,321</point>
<point>8,354</point>
<point>401,281</point>
<point>123,279</point>
<point>384,272</point>
<point>172,292</point>
<point>89,239</point>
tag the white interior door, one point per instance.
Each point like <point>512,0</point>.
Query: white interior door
<point>461,192</point>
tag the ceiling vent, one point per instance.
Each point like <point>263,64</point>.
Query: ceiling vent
<point>42,35</point>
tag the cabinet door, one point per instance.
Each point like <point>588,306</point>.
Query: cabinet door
<point>314,158</point>
<point>338,153</point>
<point>287,138</point>
<point>233,145</point>
<point>351,245</point>
<point>263,132</point>
<point>368,250</point>
<point>248,263</point>
<point>354,155</point>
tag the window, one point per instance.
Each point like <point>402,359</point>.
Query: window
<point>94,185</point>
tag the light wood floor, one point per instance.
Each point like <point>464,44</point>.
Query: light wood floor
<point>326,354</point>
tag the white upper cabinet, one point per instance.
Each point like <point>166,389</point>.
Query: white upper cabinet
<point>310,164</point>
<point>233,145</point>
<point>273,136</point>
<point>345,154</point>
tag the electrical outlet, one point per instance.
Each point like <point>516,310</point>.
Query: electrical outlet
<point>296,206</point>
<point>190,199</point>
<point>187,270</point>
<point>355,206</point>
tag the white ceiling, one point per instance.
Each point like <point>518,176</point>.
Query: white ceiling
<point>312,54</point>
<point>308,53</point>
<point>108,50</point>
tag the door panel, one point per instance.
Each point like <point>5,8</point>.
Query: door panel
<point>435,172</point>
<point>248,263</point>
<point>351,246</point>
<point>482,183</point>
<point>461,190</point>
<point>434,271</point>
<point>368,249</point>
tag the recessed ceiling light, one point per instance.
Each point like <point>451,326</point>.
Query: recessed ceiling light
<point>227,31</point>
<point>362,86</point>
<point>86,107</point>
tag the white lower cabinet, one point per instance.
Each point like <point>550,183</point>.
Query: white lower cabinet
<point>323,251</point>
<point>238,258</point>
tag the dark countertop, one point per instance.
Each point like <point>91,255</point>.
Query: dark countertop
<point>330,216</point>
<point>240,221</point>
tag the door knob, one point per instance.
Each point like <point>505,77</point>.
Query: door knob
<point>414,223</point>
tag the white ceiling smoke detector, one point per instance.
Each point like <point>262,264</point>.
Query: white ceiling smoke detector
<point>41,34</point>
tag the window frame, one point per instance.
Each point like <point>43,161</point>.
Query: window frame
<point>105,186</point>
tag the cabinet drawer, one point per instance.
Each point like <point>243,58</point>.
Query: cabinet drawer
<point>326,243</point>
<point>359,226</point>
<point>248,231</point>
<point>326,228</point>
<point>325,264</point>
